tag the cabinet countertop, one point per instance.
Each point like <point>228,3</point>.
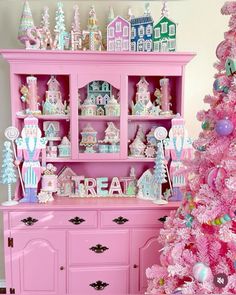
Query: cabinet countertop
<point>101,203</point>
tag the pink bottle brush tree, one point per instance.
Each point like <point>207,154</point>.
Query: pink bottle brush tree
<point>199,240</point>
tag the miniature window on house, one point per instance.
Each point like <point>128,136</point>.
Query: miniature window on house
<point>149,30</point>
<point>141,31</point>
<point>111,32</point>
<point>118,27</point>
<point>172,30</point>
<point>171,44</point>
<point>118,44</point>
<point>111,45</point>
<point>157,46</point>
<point>133,46</point>
<point>125,31</point>
<point>157,32</point>
<point>148,45</point>
<point>164,27</point>
<point>140,45</point>
<point>133,33</point>
<point>126,45</point>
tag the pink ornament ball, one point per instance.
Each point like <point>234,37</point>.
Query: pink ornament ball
<point>216,172</point>
<point>224,127</point>
<point>201,272</point>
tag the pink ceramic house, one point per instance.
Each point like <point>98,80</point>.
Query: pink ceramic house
<point>118,35</point>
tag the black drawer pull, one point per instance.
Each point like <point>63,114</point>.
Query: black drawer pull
<point>29,221</point>
<point>99,285</point>
<point>76,220</point>
<point>98,248</point>
<point>120,220</point>
<point>163,219</point>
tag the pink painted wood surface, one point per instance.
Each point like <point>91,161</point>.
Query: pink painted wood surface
<point>81,278</point>
<point>136,218</point>
<point>117,243</point>
<point>145,253</point>
<point>53,219</point>
<point>65,203</point>
<point>54,241</point>
<point>36,262</point>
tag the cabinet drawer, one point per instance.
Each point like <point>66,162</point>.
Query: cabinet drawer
<point>133,218</point>
<point>98,247</point>
<point>58,219</point>
<point>99,280</point>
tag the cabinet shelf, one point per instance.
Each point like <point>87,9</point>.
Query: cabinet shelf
<point>46,117</point>
<point>149,118</point>
<point>101,159</point>
<point>99,118</point>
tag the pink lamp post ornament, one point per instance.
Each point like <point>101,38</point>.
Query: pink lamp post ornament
<point>165,97</point>
<point>30,96</point>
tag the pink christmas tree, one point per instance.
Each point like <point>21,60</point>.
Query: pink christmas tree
<point>199,239</point>
<point>26,22</point>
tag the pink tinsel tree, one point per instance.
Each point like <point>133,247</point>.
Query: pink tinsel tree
<point>199,252</point>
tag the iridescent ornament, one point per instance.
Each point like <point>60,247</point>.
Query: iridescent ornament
<point>224,127</point>
<point>201,272</point>
<point>206,125</point>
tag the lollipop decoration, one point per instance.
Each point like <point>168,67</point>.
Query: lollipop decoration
<point>160,169</point>
<point>12,133</point>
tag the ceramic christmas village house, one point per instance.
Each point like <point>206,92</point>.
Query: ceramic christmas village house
<point>118,35</point>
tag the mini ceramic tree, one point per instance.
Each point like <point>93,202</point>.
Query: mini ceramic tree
<point>26,23</point>
<point>8,175</point>
<point>45,23</point>
<point>60,18</point>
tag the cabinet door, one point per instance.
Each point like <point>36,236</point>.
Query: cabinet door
<point>144,253</point>
<point>38,262</point>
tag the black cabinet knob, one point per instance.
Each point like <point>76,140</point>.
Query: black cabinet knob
<point>76,220</point>
<point>99,285</point>
<point>29,221</point>
<point>163,219</point>
<point>120,220</point>
<point>98,248</point>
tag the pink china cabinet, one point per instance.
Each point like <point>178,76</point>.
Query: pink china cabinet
<point>91,245</point>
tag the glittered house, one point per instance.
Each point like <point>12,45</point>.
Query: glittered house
<point>164,35</point>
<point>147,186</point>
<point>141,33</point>
<point>53,103</point>
<point>118,35</point>
<point>88,107</point>
<point>112,107</point>
<point>51,129</point>
<point>112,134</point>
<point>65,183</point>
<point>137,147</point>
<point>64,147</point>
<point>89,136</point>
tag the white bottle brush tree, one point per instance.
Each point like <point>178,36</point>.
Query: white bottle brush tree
<point>8,174</point>
<point>45,21</point>
<point>160,172</point>
<point>60,19</point>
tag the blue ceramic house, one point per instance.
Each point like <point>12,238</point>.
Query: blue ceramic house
<point>141,33</point>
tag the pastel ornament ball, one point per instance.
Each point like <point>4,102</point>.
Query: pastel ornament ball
<point>224,127</point>
<point>201,272</point>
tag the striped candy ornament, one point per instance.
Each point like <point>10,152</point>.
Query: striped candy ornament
<point>201,272</point>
